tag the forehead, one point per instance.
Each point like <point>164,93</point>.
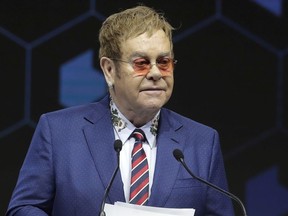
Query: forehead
<point>144,45</point>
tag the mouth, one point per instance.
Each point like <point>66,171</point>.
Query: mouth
<point>156,88</point>
<point>152,91</point>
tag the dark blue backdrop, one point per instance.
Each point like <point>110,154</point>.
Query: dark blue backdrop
<point>231,75</point>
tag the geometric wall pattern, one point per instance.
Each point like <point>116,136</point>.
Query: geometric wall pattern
<point>231,74</point>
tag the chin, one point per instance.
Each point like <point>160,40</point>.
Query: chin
<point>153,105</point>
<point>154,102</point>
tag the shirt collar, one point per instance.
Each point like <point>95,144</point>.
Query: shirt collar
<point>124,127</point>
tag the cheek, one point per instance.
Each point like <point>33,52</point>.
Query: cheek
<point>140,73</point>
<point>131,85</point>
<point>166,74</point>
<point>169,81</point>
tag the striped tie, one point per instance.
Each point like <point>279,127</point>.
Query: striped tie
<point>139,189</point>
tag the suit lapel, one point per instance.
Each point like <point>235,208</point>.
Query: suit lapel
<point>100,139</point>
<point>166,168</point>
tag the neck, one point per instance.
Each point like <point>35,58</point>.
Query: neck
<point>137,117</point>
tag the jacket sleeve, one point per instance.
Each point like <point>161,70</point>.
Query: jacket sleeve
<point>34,191</point>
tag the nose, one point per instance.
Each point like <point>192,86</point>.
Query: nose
<point>154,72</point>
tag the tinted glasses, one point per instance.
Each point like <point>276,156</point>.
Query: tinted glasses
<point>142,66</point>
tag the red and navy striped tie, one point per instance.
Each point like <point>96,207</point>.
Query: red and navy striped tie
<point>139,188</point>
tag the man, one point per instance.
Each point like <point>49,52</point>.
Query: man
<point>71,157</point>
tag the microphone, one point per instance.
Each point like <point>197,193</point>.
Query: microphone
<point>180,157</point>
<point>117,148</point>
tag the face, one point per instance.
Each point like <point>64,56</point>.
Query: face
<point>143,92</point>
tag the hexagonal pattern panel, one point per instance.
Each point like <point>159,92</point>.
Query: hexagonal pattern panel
<point>37,18</point>
<point>231,75</point>
<point>230,80</point>
<point>267,20</point>
<point>12,82</point>
<point>49,57</point>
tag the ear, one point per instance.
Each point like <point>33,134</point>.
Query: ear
<point>108,68</point>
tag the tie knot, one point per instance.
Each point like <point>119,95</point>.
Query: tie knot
<point>138,134</point>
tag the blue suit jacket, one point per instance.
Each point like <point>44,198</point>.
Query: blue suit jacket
<point>71,160</point>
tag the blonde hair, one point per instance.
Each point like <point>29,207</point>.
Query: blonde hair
<point>130,23</point>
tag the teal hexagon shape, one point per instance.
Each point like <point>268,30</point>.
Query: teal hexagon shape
<point>80,82</point>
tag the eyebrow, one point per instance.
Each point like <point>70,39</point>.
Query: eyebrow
<point>143,54</point>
